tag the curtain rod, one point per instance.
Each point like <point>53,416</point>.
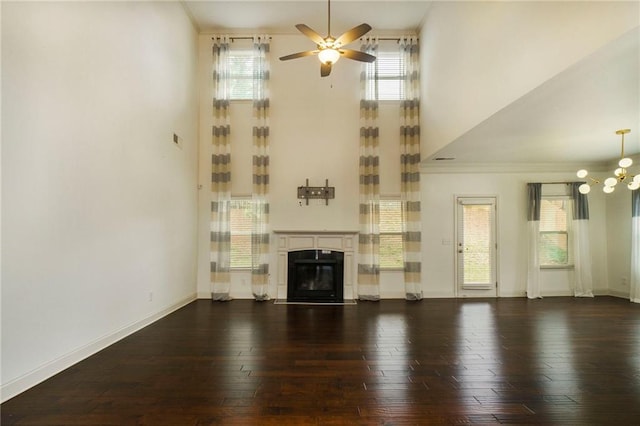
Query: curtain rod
<point>564,183</point>
<point>251,38</point>
<point>396,39</point>
<point>237,38</point>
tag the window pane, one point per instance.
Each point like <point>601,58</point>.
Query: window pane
<point>554,235</point>
<point>391,251</point>
<point>240,223</point>
<point>477,243</point>
<point>390,234</point>
<point>390,216</point>
<point>390,90</point>
<point>390,79</point>
<point>241,251</point>
<point>553,214</point>
<point>553,248</point>
<point>240,74</point>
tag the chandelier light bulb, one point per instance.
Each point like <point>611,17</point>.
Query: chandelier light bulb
<point>582,173</point>
<point>625,162</point>
<point>636,178</point>
<point>618,172</point>
<point>608,189</point>
<point>610,182</point>
<point>329,56</point>
<point>584,188</point>
<point>634,185</point>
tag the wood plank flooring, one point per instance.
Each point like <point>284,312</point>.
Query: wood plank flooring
<point>557,361</point>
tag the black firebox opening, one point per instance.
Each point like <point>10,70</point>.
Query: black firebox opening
<point>315,276</point>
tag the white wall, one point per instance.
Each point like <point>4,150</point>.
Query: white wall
<point>99,206</point>
<point>478,57</point>
<point>439,191</point>
<point>314,134</point>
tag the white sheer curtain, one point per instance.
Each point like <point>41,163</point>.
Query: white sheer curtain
<point>260,192</point>
<point>534,192</point>
<point>220,233</point>
<point>635,246</point>
<point>369,217</point>
<point>582,277</point>
<point>410,169</point>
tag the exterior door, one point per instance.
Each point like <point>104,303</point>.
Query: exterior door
<point>476,247</point>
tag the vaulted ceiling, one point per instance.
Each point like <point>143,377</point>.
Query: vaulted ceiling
<point>570,117</point>
<point>279,17</point>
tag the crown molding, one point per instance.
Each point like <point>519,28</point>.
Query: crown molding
<point>433,167</point>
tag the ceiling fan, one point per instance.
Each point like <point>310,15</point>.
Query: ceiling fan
<point>329,48</point>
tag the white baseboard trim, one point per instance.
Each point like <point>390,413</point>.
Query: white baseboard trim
<point>28,380</point>
<point>507,294</point>
<point>557,293</point>
<point>620,294</point>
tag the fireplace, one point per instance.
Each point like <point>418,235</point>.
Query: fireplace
<point>342,243</point>
<point>315,276</point>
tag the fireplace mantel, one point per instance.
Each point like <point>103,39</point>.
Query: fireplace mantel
<point>345,241</point>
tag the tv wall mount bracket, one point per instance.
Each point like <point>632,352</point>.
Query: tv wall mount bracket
<point>325,192</point>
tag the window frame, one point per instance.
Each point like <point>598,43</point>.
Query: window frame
<point>393,199</point>
<point>569,231</point>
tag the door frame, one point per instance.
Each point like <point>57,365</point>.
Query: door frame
<point>458,291</point>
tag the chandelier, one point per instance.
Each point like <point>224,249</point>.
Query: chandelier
<point>620,175</point>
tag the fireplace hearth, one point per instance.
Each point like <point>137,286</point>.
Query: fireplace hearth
<point>315,276</point>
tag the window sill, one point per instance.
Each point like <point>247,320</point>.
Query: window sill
<point>552,267</point>
<point>391,269</point>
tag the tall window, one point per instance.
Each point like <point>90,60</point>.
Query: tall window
<point>390,234</point>
<point>555,221</point>
<point>388,83</point>
<point>241,74</point>
<point>240,224</point>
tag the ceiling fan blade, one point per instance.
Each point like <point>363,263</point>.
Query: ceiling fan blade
<point>317,38</point>
<point>299,55</point>
<point>325,70</point>
<point>357,55</point>
<point>353,34</point>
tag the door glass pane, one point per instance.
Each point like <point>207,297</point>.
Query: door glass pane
<point>477,244</point>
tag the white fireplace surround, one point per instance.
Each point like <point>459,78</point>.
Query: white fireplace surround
<point>344,241</point>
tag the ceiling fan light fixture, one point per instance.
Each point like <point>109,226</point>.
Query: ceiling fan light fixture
<point>330,49</point>
<point>329,56</point>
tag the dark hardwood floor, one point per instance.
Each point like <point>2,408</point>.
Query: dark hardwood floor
<point>554,361</point>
